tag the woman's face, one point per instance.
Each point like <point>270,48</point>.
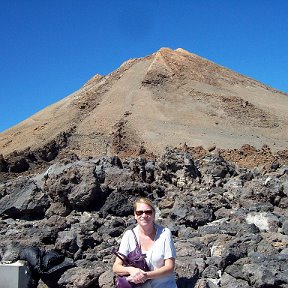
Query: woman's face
<point>144,214</point>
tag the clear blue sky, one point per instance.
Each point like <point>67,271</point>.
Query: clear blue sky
<point>49,49</point>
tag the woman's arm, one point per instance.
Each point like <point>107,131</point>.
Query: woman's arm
<point>119,268</point>
<point>167,269</point>
<point>142,276</point>
<point>122,270</point>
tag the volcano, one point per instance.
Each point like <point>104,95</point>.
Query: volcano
<point>168,98</point>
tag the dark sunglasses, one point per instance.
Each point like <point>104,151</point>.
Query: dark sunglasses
<point>140,212</point>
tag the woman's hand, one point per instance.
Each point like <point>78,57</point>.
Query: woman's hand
<point>133,274</point>
<point>137,275</point>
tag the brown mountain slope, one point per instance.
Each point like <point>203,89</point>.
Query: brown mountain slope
<point>165,99</point>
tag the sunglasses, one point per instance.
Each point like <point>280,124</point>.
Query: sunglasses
<point>140,212</point>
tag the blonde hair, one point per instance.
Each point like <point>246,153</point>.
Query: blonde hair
<point>145,201</point>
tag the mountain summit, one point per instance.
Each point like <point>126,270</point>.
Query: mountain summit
<point>169,98</point>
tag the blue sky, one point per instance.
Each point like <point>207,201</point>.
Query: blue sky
<point>49,49</point>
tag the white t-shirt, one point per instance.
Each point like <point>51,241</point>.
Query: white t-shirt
<point>163,248</point>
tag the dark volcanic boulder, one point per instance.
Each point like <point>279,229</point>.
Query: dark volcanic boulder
<point>75,186</point>
<point>3,164</point>
<point>23,197</point>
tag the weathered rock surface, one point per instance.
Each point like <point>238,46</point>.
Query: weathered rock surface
<point>229,223</point>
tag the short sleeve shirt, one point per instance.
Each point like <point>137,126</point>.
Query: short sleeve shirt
<point>163,248</point>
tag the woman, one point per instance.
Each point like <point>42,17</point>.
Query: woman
<point>156,242</point>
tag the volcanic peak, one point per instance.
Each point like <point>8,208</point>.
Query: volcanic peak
<point>163,99</point>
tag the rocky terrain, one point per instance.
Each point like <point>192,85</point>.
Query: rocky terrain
<point>207,145</point>
<point>230,223</point>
